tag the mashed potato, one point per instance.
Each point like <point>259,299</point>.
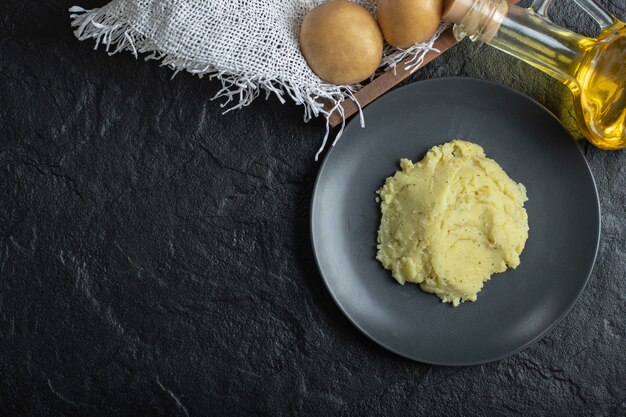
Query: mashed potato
<point>450,221</point>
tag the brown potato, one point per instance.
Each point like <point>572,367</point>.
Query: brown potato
<point>407,22</point>
<point>341,42</point>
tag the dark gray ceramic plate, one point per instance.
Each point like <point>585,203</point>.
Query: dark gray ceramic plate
<point>515,308</point>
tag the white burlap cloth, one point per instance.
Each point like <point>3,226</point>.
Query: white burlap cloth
<point>249,45</point>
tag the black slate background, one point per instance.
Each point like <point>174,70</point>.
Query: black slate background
<point>155,256</point>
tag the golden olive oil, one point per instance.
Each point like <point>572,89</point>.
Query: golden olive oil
<point>600,95</point>
<point>594,69</point>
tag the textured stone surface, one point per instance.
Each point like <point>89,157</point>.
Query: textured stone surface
<point>155,256</point>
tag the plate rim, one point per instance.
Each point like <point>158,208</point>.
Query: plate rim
<point>529,343</point>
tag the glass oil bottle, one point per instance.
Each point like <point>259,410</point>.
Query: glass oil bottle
<point>594,69</point>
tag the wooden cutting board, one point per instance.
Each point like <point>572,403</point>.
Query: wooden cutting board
<point>390,78</point>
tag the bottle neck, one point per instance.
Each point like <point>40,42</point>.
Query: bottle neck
<point>525,35</point>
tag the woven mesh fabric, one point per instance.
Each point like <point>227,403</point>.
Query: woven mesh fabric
<point>250,45</point>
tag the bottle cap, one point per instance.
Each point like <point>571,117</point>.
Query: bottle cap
<point>455,10</point>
